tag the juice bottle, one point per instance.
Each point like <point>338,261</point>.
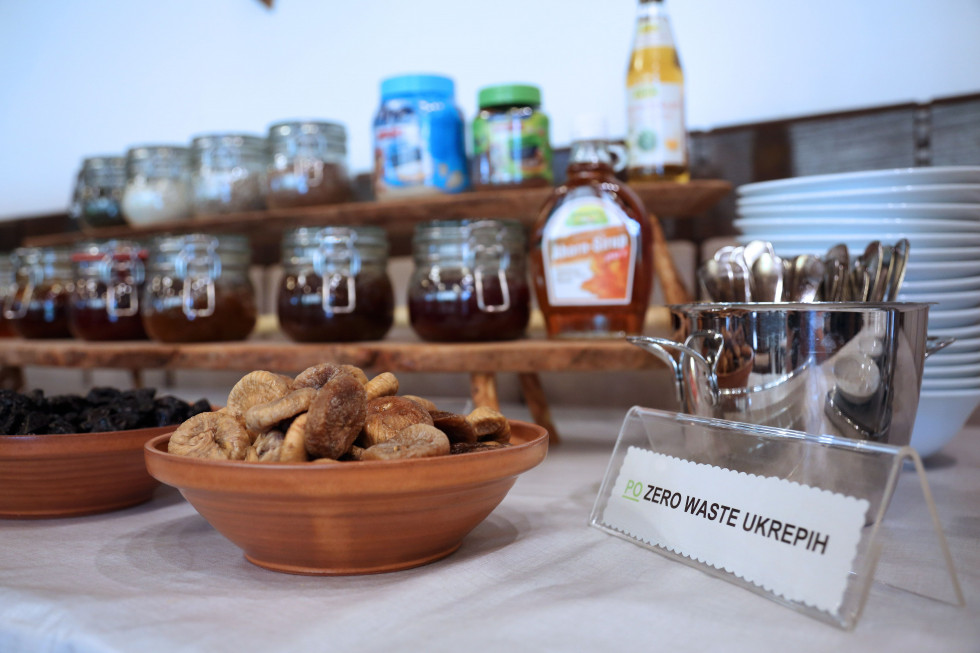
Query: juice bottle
<point>591,247</point>
<point>656,134</point>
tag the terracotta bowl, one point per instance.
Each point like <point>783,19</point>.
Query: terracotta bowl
<point>72,474</point>
<point>352,517</point>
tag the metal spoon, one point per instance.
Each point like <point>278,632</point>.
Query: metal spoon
<point>896,274</point>
<point>767,277</point>
<point>872,258</point>
<point>715,280</point>
<point>808,274</point>
<point>836,269</point>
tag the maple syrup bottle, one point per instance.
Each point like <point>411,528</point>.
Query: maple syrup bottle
<point>591,248</point>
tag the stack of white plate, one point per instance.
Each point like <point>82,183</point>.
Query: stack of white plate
<point>938,210</point>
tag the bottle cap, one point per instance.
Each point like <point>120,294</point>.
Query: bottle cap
<point>509,94</point>
<point>590,127</point>
<point>412,84</point>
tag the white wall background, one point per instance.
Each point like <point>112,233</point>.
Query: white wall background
<point>84,77</point>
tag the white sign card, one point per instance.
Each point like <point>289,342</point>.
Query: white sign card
<point>795,541</point>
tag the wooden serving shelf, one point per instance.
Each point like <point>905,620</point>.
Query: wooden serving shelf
<point>399,217</point>
<point>400,352</point>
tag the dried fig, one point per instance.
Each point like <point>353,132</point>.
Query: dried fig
<point>256,388</point>
<point>467,447</point>
<point>386,416</point>
<point>215,436</point>
<point>317,376</point>
<point>455,426</point>
<point>293,449</point>
<point>383,385</point>
<point>335,418</point>
<point>415,441</point>
<point>423,402</point>
<point>489,424</point>
<point>268,446</point>
<point>262,417</point>
<point>356,372</point>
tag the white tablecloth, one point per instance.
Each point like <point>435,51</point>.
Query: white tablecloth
<point>533,577</point>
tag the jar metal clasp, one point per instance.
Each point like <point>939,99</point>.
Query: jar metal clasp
<point>111,269</point>
<point>34,274</point>
<point>197,261</point>
<point>486,258</point>
<point>337,266</point>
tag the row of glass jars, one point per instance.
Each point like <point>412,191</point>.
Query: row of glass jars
<point>469,284</point>
<point>299,163</point>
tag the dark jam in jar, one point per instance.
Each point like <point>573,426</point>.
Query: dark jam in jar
<point>38,307</point>
<point>105,303</point>
<point>356,302</point>
<point>469,282</point>
<point>198,290</point>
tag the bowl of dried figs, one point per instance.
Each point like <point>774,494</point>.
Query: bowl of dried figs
<point>332,473</point>
<point>71,455</point>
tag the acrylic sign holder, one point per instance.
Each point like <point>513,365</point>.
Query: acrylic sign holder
<point>806,522</point>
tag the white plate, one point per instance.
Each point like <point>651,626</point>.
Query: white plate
<point>926,254</point>
<point>965,383</point>
<point>908,226</point>
<point>946,319</point>
<point>951,372</point>
<point>944,193</point>
<point>954,284</point>
<point>873,210</point>
<point>865,178</point>
<point>942,359</point>
<point>957,332</point>
<point>930,270</point>
<point>820,243</point>
<point>944,301</point>
<point>940,416</point>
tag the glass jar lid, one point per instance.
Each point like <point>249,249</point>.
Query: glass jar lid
<point>335,245</point>
<point>466,239</point>
<point>195,254</point>
<point>308,135</point>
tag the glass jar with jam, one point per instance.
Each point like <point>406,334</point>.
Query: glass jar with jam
<point>38,305</point>
<point>307,164</point>
<point>7,288</point>
<point>228,173</point>
<point>470,281</point>
<point>511,145</point>
<point>158,184</point>
<point>198,289</point>
<point>105,302</point>
<point>335,285</point>
<point>592,246</point>
<point>100,191</point>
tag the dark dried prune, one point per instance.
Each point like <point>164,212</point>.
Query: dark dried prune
<point>60,425</point>
<point>200,406</point>
<point>34,424</point>
<point>102,395</point>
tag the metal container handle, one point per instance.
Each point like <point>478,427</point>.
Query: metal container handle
<point>659,347</point>
<point>936,343</point>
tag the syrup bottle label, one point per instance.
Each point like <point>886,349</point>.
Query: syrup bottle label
<point>589,250</point>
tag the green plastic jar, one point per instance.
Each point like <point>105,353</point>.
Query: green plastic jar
<point>511,143</point>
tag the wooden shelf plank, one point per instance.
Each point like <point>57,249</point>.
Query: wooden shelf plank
<point>665,200</point>
<point>528,355</point>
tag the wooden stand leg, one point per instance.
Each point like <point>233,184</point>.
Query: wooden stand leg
<point>537,403</point>
<point>483,389</point>
<point>11,377</point>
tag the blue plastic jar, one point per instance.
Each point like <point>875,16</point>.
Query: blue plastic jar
<point>418,138</point>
